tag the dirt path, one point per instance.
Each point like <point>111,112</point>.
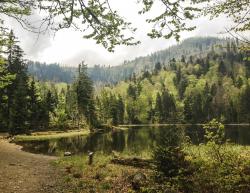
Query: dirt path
<point>22,172</point>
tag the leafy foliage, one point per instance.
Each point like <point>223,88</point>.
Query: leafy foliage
<point>96,19</point>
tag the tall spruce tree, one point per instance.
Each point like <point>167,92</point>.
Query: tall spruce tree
<point>6,79</point>
<point>121,109</point>
<point>168,106</point>
<point>35,107</point>
<point>114,109</point>
<point>85,96</point>
<point>71,104</point>
<point>245,104</point>
<point>17,91</point>
<point>158,108</point>
<point>18,111</point>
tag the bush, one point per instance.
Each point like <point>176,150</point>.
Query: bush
<point>231,175</point>
<point>171,164</point>
<point>214,132</point>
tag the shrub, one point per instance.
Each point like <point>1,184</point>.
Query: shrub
<point>171,164</point>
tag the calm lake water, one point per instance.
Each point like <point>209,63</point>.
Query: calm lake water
<point>135,140</point>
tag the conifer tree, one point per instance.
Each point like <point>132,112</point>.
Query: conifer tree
<point>6,78</point>
<point>114,110</point>
<point>245,104</point>
<point>85,96</point>
<point>222,68</point>
<point>34,106</point>
<point>17,91</point>
<point>71,104</point>
<point>131,91</point>
<point>158,108</point>
<point>168,105</point>
<point>18,111</point>
<point>121,109</point>
<point>188,108</point>
<point>183,59</point>
<point>182,86</point>
<point>207,102</point>
<point>157,67</point>
<point>49,105</point>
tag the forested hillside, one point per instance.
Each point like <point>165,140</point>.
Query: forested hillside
<point>194,88</point>
<point>104,74</point>
<point>51,72</point>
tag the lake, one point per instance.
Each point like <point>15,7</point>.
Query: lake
<point>137,140</point>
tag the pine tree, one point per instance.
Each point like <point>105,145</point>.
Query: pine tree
<point>182,86</point>
<point>121,109</point>
<point>17,91</point>
<point>150,112</point>
<point>183,59</point>
<point>245,104</point>
<point>114,110</point>
<point>131,91</point>
<point>158,108</point>
<point>191,61</point>
<point>222,68</point>
<point>178,75</point>
<point>157,67</point>
<point>188,108</point>
<point>168,105</point>
<point>48,107</point>
<point>207,102</point>
<point>197,108</point>
<point>6,77</point>
<point>85,96</point>
<point>132,113</point>
<point>71,104</point>
<point>18,111</point>
<point>34,107</point>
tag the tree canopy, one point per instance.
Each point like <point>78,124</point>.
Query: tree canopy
<point>97,20</point>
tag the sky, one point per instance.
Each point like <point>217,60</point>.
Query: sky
<point>68,48</point>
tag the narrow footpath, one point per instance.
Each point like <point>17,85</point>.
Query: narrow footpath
<point>23,172</point>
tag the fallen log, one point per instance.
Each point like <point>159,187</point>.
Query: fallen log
<point>135,162</point>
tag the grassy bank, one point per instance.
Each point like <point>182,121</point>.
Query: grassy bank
<point>39,136</point>
<point>104,176</point>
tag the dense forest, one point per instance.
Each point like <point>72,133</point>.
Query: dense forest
<point>192,89</point>
<point>210,81</point>
<point>27,105</point>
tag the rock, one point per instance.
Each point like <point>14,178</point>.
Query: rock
<point>138,180</point>
<point>67,153</point>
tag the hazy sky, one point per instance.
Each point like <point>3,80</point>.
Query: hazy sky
<point>68,47</point>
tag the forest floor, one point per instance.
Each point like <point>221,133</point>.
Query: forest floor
<point>24,172</point>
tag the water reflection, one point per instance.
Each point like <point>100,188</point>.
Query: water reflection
<point>134,140</point>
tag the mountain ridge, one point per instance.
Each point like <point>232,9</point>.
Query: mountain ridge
<point>114,74</point>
